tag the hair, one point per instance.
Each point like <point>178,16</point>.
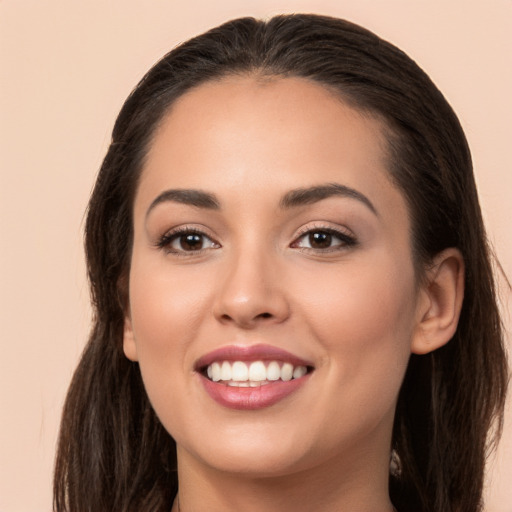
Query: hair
<point>113,453</point>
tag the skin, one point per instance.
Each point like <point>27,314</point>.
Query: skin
<point>355,311</point>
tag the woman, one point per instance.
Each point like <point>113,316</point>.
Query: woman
<point>295,307</point>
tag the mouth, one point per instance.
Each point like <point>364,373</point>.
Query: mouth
<point>251,377</point>
<point>253,374</point>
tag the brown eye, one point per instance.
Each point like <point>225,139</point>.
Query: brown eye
<point>324,240</point>
<point>186,241</point>
<point>189,242</point>
<point>320,240</point>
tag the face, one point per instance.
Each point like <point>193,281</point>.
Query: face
<point>272,297</point>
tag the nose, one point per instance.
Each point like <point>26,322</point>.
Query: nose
<point>251,292</point>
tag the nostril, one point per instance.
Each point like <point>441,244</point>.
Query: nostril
<point>246,321</point>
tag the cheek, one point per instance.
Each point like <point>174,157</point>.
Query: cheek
<point>165,314</point>
<point>165,310</point>
<point>365,318</point>
<point>165,306</point>
<point>365,323</point>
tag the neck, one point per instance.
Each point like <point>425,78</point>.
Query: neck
<point>341,486</point>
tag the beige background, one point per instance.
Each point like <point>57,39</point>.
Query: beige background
<point>66,67</point>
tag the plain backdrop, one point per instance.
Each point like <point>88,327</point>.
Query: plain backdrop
<point>65,69</point>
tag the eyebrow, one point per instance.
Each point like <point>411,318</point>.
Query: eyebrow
<point>292,199</point>
<point>191,197</point>
<point>310,195</point>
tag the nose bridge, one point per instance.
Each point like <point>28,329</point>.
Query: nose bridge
<point>250,290</point>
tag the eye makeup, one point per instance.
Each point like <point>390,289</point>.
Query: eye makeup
<point>185,241</point>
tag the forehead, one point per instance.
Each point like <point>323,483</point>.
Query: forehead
<point>259,134</point>
<point>258,113</point>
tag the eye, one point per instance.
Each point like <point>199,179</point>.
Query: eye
<point>324,239</point>
<point>186,241</point>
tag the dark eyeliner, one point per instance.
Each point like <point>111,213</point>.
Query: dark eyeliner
<point>164,242</point>
<point>347,240</point>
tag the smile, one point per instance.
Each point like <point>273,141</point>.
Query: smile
<point>251,377</point>
<point>257,373</point>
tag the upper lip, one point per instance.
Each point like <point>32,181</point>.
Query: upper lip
<point>250,353</point>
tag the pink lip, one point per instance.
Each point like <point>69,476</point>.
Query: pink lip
<point>250,398</point>
<point>251,353</point>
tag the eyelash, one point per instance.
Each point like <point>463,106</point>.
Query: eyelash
<point>165,242</point>
<point>346,240</point>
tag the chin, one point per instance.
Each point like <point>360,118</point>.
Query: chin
<point>258,464</point>
<point>251,454</point>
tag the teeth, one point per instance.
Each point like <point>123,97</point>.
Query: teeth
<point>286,372</point>
<point>273,371</point>
<point>215,372</point>
<point>225,371</point>
<point>239,371</point>
<point>257,373</point>
<point>247,384</point>
<point>244,384</point>
<point>299,372</point>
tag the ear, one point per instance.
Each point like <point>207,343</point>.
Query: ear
<point>129,345</point>
<point>440,302</point>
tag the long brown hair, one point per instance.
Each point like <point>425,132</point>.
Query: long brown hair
<point>114,454</point>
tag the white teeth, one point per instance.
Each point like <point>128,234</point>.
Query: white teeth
<point>273,371</point>
<point>299,372</point>
<point>215,372</point>
<point>225,371</point>
<point>255,374</point>
<point>244,384</point>
<point>257,371</point>
<point>287,372</point>
<point>239,371</point>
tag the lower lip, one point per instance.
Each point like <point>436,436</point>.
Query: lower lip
<point>251,398</point>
